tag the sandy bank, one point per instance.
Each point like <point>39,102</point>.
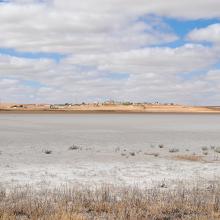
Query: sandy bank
<point>114,108</point>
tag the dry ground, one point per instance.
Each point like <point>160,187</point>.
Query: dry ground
<point>201,202</point>
<point>108,108</point>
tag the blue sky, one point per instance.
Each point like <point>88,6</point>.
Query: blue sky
<point>180,27</point>
<point>52,51</point>
<point>32,55</point>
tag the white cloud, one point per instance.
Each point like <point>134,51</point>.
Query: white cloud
<point>73,27</point>
<point>158,60</point>
<point>102,37</point>
<point>22,68</point>
<point>153,74</point>
<point>208,34</point>
<point>186,9</point>
<point>93,25</point>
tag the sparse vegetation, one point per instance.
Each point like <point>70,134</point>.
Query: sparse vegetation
<point>183,202</point>
<point>152,154</point>
<point>173,150</point>
<point>127,103</point>
<point>161,146</point>
<point>132,154</point>
<point>193,158</point>
<point>48,151</point>
<point>74,147</point>
<point>204,148</point>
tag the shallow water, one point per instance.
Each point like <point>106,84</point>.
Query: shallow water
<point>110,130</point>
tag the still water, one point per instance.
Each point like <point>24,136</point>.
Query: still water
<point>109,130</point>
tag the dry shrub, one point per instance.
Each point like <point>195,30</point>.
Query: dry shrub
<point>199,201</point>
<point>193,158</point>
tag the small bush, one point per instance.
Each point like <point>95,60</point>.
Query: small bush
<point>48,151</point>
<point>173,150</point>
<point>204,148</point>
<point>74,147</point>
<point>132,154</point>
<point>152,154</point>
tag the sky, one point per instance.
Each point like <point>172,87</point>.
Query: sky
<point>58,51</point>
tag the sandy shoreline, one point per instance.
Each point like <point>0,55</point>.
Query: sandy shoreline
<point>101,112</point>
<point>116,110</point>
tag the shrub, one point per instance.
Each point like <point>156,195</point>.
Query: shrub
<point>152,154</point>
<point>204,148</point>
<point>132,153</point>
<point>173,150</point>
<point>74,147</point>
<point>48,151</point>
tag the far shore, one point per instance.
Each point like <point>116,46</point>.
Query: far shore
<point>49,112</point>
<point>107,109</point>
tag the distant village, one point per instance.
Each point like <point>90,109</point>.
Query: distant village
<point>83,104</point>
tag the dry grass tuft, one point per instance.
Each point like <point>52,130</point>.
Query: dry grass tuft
<point>74,147</point>
<point>173,150</point>
<point>161,146</point>
<point>48,151</point>
<point>193,158</point>
<point>152,154</point>
<point>197,202</point>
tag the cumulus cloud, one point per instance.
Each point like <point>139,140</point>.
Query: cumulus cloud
<point>208,34</point>
<point>151,75</point>
<point>97,25</point>
<point>114,49</point>
<point>158,60</point>
<point>76,27</point>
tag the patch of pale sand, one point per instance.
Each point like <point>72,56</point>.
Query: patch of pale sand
<point>142,171</point>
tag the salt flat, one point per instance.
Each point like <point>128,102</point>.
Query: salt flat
<point>112,148</point>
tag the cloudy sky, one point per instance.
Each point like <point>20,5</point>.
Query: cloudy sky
<point>56,51</point>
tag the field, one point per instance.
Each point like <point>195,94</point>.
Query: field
<point>201,202</point>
